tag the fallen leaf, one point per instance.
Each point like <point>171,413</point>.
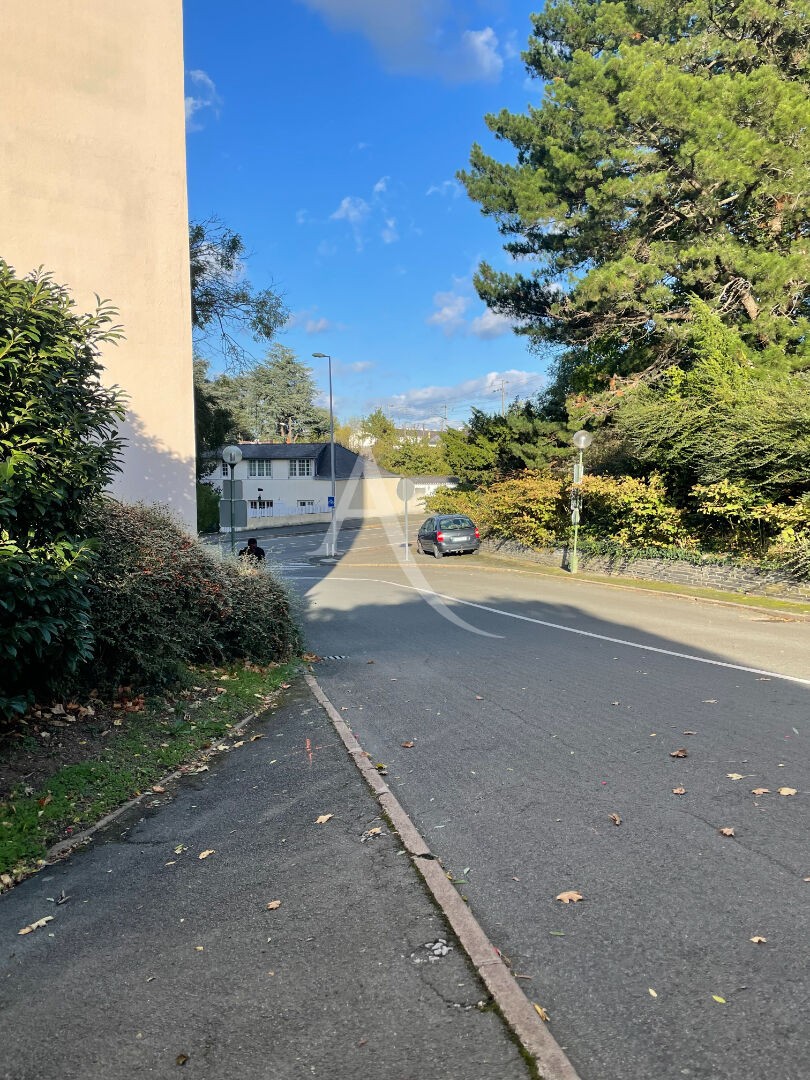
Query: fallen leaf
<point>253,738</point>
<point>718,999</point>
<point>381,768</point>
<point>44,802</point>
<point>734,775</point>
<point>478,697</point>
<point>236,745</point>
<point>199,948</point>
<point>615,819</point>
<point>181,1059</point>
<point>541,1012</point>
<point>726,831</point>
<point>408,744</point>
<point>36,925</point>
<point>787,790</point>
<point>709,701</point>
<point>682,752</point>
<point>205,854</point>
<point>679,791</point>
<point>322,820</point>
<point>570,897</point>
<point>758,940</point>
<point>273,905</point>
<point>651,992</point>
<point>690,733</point>
<point>369,661</point>
<point>158,790</point>
<point>180,849</point>
<point>760,791</point>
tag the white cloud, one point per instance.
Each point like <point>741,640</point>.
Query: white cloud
<point>449,313</point>
<point>418,38</point>
<point>381,185</point>
<point>310,322</point>
<point>203,95</point>
<point>479,51</point>
<point>425,404</point>
<point>446,187</point>
<point>301,217</point>
<point>352,209</point>
<point>490,325</point>
<point>389,233</point>
<point>357,367</point>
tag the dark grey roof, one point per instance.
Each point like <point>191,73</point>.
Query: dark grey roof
<point>347,463</point>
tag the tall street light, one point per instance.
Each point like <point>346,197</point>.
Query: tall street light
<point>332,500</point>
<point>581,440</point>
<point>232,455</point>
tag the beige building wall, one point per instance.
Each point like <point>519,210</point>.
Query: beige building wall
<point>93,188</point>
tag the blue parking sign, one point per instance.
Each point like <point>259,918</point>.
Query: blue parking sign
<point>330,501</point>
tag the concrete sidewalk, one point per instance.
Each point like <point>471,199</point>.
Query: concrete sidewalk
<point>162,959</point>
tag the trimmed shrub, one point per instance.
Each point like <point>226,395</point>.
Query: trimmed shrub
<point>159,600</point>
<point>632,512</point>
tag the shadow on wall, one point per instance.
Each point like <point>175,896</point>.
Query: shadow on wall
<point>151,473</point>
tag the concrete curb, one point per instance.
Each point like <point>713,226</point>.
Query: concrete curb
<point>517,1010</point>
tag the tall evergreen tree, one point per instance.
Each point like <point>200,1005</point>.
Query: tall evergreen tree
<point>670,157</point>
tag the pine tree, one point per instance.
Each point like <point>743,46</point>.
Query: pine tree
<point>669,158</point>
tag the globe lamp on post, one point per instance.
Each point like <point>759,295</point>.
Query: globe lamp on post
<point>232,455</point>
<point>581,440</point>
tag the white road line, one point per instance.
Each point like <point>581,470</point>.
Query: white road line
<point>582,633</point>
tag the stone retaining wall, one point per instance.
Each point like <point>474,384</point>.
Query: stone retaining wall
<point>726,577</point>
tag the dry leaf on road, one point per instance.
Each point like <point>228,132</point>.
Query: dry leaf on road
<point>323,818</point>
<point>408,744</point>
<point>206,853</point>
<point>616,819</point>
<point>718,999</point>
<point>787,790</point>
<point>158,789</point>
<point>273,905</point>
<point>570,897</point>
<point>735,776</point>
<point>681,752</point>
<point>36,925</point>
<point>760,791</point>
<point>679,791</point>
<point>181,1059</point>
<point>541,1012</point>
<point>726,831</point>
<point>253,738</point>
<point>757,940</point>
<point>651,992</point>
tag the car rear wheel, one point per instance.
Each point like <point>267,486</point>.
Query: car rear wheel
<point>437,552</point>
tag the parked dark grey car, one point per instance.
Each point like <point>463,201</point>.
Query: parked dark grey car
<point>448,534</point>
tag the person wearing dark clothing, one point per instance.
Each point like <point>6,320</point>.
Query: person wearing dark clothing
<point>252,551</point>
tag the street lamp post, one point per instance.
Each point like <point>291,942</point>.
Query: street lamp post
<point>333,500</point>
<point>581,440</point>
<point>232,455</point>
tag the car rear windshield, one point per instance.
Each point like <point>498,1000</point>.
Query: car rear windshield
<point>450,523</point>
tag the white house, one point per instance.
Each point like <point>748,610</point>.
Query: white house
<point>285,480</point>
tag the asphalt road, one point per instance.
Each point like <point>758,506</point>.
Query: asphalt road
<point>539,707</point>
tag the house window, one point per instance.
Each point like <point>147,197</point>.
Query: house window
<point>261,504</point>
<point>301,468</point>
<point>225,469</point>
<point>306,504</point>
<point>261,467</point>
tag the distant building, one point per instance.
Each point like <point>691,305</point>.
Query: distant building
<point>284,481</point>
<point>93,188</point>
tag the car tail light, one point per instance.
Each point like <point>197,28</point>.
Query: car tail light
<point>440,537</point>
<point>477,535</point>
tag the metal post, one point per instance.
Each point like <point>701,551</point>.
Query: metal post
<point>575,513</point>
<point>233,537</point>
<point>332,459</point>
<point>407,550</point>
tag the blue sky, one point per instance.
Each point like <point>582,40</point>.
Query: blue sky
<point>328,133</point>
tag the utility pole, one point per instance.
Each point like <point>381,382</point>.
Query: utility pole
<point>443,417</point>
<point>504,385</point>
